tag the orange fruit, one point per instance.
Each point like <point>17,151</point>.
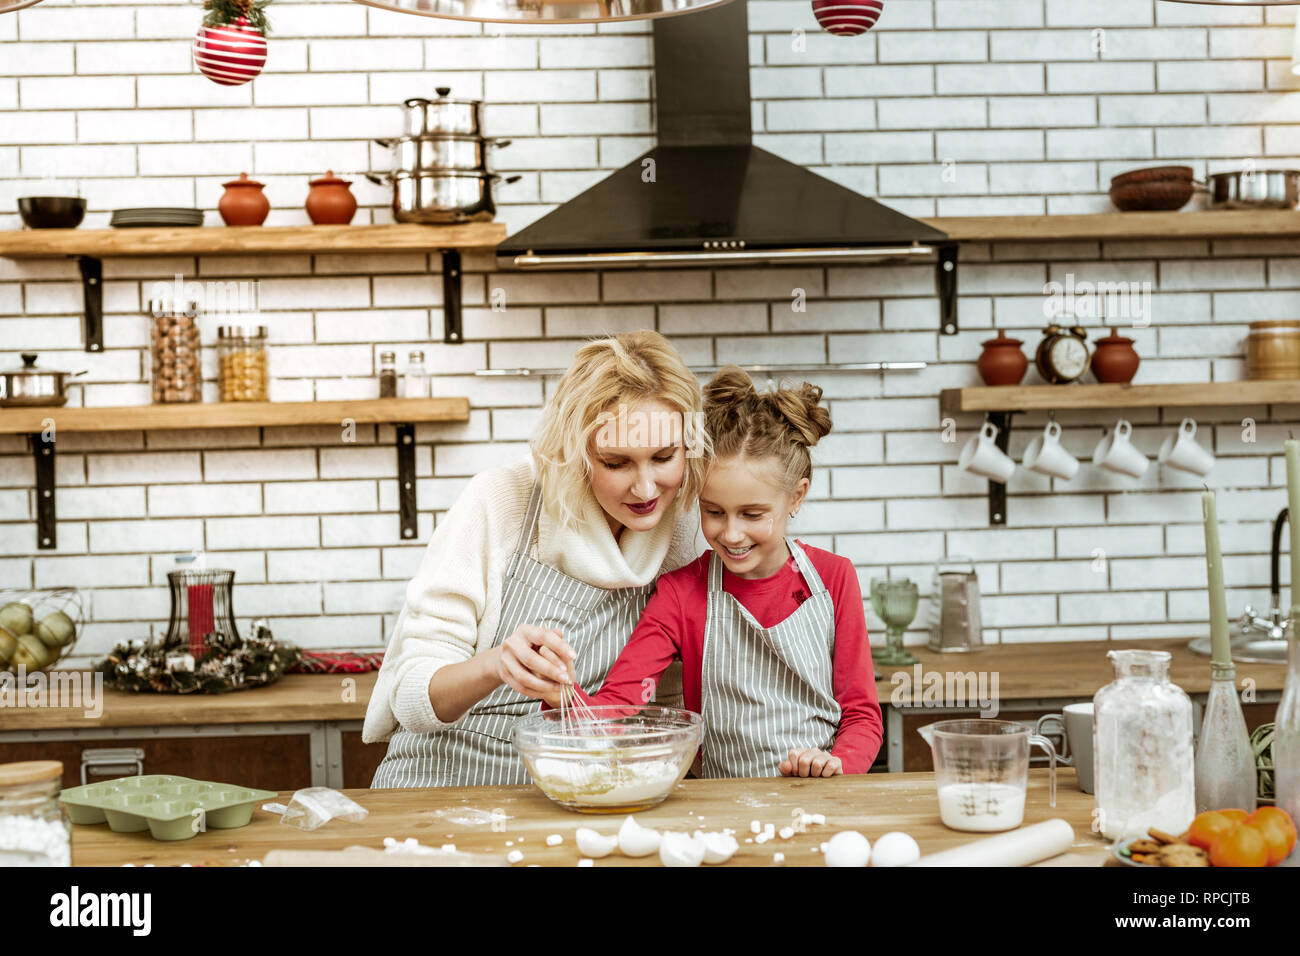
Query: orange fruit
<point>1278,830</point>
<point>1240,846</point>
<point>1240,816</point>
<point>1208,827</point>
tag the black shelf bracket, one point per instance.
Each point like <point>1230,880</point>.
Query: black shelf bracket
<point>945,281</point>
<point>997,489</point>
<point>451,302</point>
<point>406,481</point>
<point>43,454</point>
<point>92,288</point>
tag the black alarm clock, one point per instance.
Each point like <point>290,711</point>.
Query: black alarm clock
<point>1063,355</point>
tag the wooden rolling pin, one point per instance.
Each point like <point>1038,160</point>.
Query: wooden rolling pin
<point>1019,847</point>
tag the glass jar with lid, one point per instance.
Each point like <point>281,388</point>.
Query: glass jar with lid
<point>242,363</point>
<point>34,826</point>
<point>176,356</point>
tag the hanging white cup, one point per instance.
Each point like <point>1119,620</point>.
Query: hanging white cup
<point>983,457</point>
<point>1116,453</point>
<point>1181,450</point>
<point>1047,456</point>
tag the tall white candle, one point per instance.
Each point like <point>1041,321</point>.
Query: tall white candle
<point>1219,646</point>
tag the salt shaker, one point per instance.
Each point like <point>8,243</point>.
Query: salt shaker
<point>416,384</point>
<point>387,375</point>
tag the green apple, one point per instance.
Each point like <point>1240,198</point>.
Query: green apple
<point>56,630</point>
<point>32,654</point>
<point>8,644</point>
<point>16,618</point>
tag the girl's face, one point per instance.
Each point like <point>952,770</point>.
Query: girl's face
<point>638,464</point>
<point>743,514</point>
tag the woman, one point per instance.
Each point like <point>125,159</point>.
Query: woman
<point>559,550</point>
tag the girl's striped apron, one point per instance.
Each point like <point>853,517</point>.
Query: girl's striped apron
<point>476,750</point>
<point>766,690</point>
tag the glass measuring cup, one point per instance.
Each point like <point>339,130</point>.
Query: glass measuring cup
<point>981,768</point>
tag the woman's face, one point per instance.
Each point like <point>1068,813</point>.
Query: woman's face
<point>743,514</point>
<point>638,463</point>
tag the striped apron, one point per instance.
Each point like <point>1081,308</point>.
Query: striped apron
<point>476,749</point>
<point>766,690</point>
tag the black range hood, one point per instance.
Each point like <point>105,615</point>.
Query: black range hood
<point>705,195</point>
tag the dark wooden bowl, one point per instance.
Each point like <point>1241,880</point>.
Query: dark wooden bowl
<point>1153,174</point>
<point>52,212</point>
<point>1165,196</point>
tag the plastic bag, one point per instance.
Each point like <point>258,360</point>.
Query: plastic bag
<point>312,808</point>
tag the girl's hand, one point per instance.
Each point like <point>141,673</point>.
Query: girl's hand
<point>521,665</point>
<point>811,763</point>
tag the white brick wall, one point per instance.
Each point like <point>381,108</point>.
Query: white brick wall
<point>1037,102</point>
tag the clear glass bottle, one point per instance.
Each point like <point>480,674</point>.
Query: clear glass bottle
<point>1225,760</point>
<point>34,826</point>
<point>416,382</point>
<point>1142,749</point>
<point>387,375</point>
<point>1286,728</point>
<point>242,363</point>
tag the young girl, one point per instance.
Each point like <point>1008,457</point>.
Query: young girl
<point>771,634</point>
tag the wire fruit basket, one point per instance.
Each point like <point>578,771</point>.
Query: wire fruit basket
<point>39,628</point>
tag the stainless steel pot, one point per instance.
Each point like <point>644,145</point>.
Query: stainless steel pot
<point>30,385</point>
<point>1256,189</point>
<point>442,196</point>
<point>439,151</point>
<point>442,115</point>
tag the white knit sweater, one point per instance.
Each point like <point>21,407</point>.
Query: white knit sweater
<point>453,603</point>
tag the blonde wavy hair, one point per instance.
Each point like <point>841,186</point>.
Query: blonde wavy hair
<point>621,370</point>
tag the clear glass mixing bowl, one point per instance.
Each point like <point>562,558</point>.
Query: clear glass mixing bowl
<point>627,758</point>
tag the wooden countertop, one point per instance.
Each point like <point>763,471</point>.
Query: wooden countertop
<point>1025,671</point>
<point>1066,670</point>
<point>871,803</point>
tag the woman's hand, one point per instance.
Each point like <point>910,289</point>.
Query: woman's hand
<point>811,763</point>
<point>536,662</point>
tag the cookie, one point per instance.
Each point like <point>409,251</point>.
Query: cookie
<point>1181,854</point>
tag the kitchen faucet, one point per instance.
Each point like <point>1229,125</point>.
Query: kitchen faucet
<point>1276,624</point>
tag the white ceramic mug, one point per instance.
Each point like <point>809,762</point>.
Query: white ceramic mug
<point>1047,456</point>
<point>1116,453</point>
<point>1076,722</point>
<point>983,457</point>
<point>1180,450</point>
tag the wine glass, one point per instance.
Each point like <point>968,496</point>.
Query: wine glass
<point>894,600</point>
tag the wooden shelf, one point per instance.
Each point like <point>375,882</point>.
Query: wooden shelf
<point>1201,224</point>
<point>1023,398</point>
<point>14,421</point>
<point>243,240</point>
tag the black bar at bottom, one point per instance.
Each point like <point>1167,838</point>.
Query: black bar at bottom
<point>46,529</point>
<point>406,480</point>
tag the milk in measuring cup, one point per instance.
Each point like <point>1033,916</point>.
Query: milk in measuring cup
<point>981,806</point>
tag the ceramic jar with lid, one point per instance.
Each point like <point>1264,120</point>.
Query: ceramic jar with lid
<point>34,826</point>
<point>330,202</point>
<point>1273,350</point>
<point>244,203</point>
<point>1114,360</point>
<point>1002,362</point>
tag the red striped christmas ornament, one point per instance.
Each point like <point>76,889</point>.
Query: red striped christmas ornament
<point>847,18</point>
<point>230,54</point>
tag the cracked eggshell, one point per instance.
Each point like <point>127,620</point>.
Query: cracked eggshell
<point>593,844</point>
<point>895,849</point>
<point>636,840</point>
<point>718,847</point>
<point>848,848</point>
<point>678,849</point>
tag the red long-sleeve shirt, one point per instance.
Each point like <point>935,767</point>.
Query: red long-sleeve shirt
<point>672,626</point>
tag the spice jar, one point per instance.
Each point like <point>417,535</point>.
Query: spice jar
<point>177,364</point>
<point>34,826</point>
<point>242,363</point>
<point>416,383</point>
<point>387,375</point>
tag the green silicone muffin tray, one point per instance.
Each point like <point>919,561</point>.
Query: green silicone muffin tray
<point>169,807</point>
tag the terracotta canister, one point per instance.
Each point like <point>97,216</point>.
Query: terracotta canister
<point>1115,361</point>
<point>1273,349</point>
<point>330,202</point>
<point>243,203</point>
<point>1002,362</point>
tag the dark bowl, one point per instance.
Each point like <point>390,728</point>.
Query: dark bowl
<point>52,212</point>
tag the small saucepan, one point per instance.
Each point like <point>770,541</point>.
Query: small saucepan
<point>1254,189</point>
<point>30,385</point>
